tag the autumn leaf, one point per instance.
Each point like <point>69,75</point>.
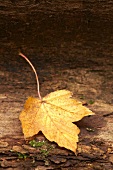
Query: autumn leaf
<point>53,115</point>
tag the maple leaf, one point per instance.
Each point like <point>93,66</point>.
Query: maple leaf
<point>54,116</point>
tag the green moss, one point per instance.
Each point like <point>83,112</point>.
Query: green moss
<point>44,146</point>
<point>82,97</point>
<point>36,144</point>
<point>21,155</point>
<point>91,101</point>
<point>45,152</point>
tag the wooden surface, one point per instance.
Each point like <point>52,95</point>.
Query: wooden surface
<point>68,52</point>
<point>100,8</point>
<point>96,137</point>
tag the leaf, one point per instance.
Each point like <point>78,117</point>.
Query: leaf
<point>53,115</point>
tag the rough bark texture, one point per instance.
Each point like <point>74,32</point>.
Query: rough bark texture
<point>70,44</point>
<point>98,7</point>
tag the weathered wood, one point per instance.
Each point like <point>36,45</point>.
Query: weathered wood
<point>95,148</point>
<point>99,8</point>
<point>70,45</point>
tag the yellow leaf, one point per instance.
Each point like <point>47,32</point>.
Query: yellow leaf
<point>53,115</point>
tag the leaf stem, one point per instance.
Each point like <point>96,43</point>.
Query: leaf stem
<point>22,55</point>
